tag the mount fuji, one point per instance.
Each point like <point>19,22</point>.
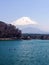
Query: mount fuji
<point>24,21</point>
<point>27,25</point>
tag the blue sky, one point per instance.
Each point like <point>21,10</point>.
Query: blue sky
<point>38,10</point>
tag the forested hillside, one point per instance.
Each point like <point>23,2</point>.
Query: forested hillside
<point>9,31</point>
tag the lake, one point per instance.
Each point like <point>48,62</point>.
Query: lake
<point>24,52</point>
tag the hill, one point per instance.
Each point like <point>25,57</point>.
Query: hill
<point>9,31</point>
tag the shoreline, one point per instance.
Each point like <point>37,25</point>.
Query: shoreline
<point>28,37</point>
<point>6,39</point>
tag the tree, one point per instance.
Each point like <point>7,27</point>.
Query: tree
<point>9,31</point>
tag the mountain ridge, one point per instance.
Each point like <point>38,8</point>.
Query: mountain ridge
<point>27,25</point>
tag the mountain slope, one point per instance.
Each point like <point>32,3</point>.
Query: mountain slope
<point>27,25</point>
<point>24,21</point>
<point>30,29</point>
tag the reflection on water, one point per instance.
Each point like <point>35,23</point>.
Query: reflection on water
<point>26,52</point>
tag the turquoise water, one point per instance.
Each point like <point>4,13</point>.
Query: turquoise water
<point>24,52</point>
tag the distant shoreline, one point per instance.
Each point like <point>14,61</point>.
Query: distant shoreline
<point>29,37</point>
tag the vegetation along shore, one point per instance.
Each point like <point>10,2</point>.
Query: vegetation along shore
<point>10,32</point>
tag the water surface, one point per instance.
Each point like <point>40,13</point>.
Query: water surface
<point>24,52</point>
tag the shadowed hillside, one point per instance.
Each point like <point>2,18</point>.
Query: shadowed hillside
<point>9,31</point>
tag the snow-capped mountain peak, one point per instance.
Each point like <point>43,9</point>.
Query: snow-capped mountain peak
<point>27,25</point>
<point>24,21</point>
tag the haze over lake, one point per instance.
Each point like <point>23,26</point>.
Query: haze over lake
<point>24,52</point>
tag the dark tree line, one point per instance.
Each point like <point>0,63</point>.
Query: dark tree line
<point>36,36</point>
<point>9,31</point>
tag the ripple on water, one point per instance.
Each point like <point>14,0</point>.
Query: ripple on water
<point>32,52</point>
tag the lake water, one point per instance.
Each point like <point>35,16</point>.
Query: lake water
<point>24,52</point>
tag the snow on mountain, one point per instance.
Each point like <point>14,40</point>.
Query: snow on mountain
<point>27,25</point>
<point>24,21</point>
